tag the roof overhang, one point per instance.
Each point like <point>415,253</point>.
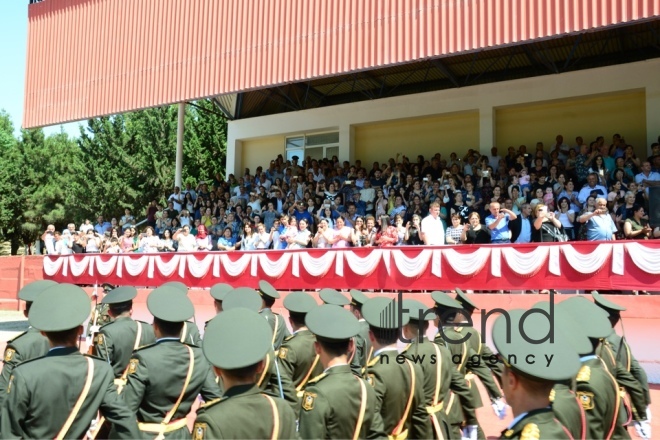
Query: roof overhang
<point>88,58</point>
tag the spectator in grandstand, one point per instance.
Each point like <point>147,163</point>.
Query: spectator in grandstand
<point>582,164</point>
<point>625,211</point>
<point>413,231</point>
<point>150,212</point>
<point>547,228</point>
<point>127,220</point>
<point>101,226</point>
<point>647,177</point>
<point>166,244</point>
<point>521,227</point>
<point>176,198</point>
<point>227,242</point>
<point>323,235</point>
<point>62,243</point>
<point>359,237</point>
<point>630,159</point>
<point>92,242</point>
<point>186,241</point>
<point>432,228</point>
<point>113,248</point>
<point>301,213</point>
<point>263,238</point>
<point>48,238</point>
<point>592,188</point>
<point>368,196</point>
<point>302,238</point>
<point>453,233</point>
<point>342,234</point>
<point>598,168</point>
<point>636,227</point>
<point>203,240</point>
<point>388,235</point>
<point>460,207</point>
<point>498,223</point>
<point>149,241</point>
<point>566,216</point>
<point>475,232</point>
<point>599,223</point>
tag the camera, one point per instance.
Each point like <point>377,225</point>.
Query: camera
<point>485,173</point>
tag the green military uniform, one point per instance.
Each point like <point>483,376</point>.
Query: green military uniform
<point>165,378</point>
<point>28,345</point>
<point>277,324</point>
<point>270,380</point>
<point>117,340</point>
<point>100,315</point>
<point>337,404</point>
<point>243,411</point>
<point>466,355</point>
<point>363,348</point>
<point>522,354</point>
<point>297,357</point>
<point>57,395</point>
<point>399,384</point>
<point>440,376</point>
<point>597,388</point>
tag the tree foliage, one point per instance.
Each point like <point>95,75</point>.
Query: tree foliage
<point>118,162</point>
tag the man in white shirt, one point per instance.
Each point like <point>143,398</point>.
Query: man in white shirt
<point>176,198</point>
<point>187,242</point>
<point>494,159</point>
<point>368,195</point>
<point>647,177</point>
<point>49,239</point>
<point>433,232</point>
<point>591,186</point>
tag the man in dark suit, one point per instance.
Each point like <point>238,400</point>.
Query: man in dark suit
<point>521,228</point>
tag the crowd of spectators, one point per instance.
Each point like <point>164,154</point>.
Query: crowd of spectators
<point>595,191</point>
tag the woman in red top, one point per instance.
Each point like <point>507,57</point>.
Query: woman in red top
<point>388,235</point>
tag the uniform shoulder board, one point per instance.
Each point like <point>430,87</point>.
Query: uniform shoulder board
<point>95,357</point>
<point>212,402</point>
<point>18,336</point>
<point>373,361</point>
<point>586,399</point>
<point>458,329</point>
<point>316,379</point>
<point>288,338</point>
<point>584,375</point>
<point>107,324</point>
<point>282,352</point>
<point>508,433</point>
<point>530,432</point>
<point>144,347</point>
<point>552,395</point>
<point>142,322</point>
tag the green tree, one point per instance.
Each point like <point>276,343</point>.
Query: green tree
<point>11,166</point>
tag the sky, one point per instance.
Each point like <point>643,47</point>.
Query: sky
<point>13,22</point>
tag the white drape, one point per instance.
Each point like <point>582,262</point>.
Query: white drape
<point>274,269</point>
<point>363,266</point>
<point>467,264</point>
<point>412,267</point>
<point>235,268</point>
<point>587,263</point>
<point>317,267</point>
<point>52,265</point>
<point>77,267</point>
<point>199,269</point>
<point>646,258</point>
<point>105,268</point>
<point>167,268</point>
<point>525,263</point>
<point>135,266</point>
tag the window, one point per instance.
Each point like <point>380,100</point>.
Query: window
<point>317,146</point>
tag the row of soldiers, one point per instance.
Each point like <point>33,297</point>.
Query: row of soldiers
<point>340,374</point>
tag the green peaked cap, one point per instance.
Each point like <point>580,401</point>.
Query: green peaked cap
<point>415,309</point>
<point>445,301</point>
<point>466,302</point>
<point>237,338</point>
<point>331,296</point>
<point>299,302</point>
<point>177,285</point>
<point>242,297</point>
<point>31,291</point>
<point>551,361</point>
<point>267,289</point>
<point>220,290</point>
<point>610,307</point>
<point>358,298</point>
<point>60,307</point>
<point>168,304</point>
<point>565,323</point>
<point>592,319</point>
<point>383,313</point>
<point>120,295</point>
<point>332,323</point>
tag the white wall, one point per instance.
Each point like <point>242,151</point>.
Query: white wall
<point>485,99</point>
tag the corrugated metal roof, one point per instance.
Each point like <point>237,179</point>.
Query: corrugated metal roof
<point>88,58</point>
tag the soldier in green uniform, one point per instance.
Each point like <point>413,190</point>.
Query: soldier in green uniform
<point>618,350</point>
<point>337,404</point>
<point>271,381</point>
<point>100,316</point>
<point>564,400</point>
<point>440,375</point>
<point>398,382</point>
<point>190,332</point>
<point>464,343</point>
<point>218,293</point>
<point>363,349</point>
<point>297,358</point>
<point>597,387</point>
<point>57,395</point>
<point>268,296</point>
<point>533,362</point>
<point>236,343</point>
<point>29,344</point>
<point>333,297</point>
<point>117,340</point>
<point>165,378</point>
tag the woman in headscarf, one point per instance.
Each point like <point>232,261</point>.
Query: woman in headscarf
<point>203,239</point>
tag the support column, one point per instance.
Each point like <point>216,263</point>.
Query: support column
<point>347,143</point>
<point>652,115</point>
<point>179,145</point>
<point>234,152</point>
<point>486,130</point>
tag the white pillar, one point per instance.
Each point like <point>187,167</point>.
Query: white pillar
<point>234,152</point>
<point>179,145</point>
<point>486,130</point>
<point>347,143</point>
<point>652,115</point>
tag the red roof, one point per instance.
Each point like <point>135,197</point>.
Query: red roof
<point>89,58</point>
